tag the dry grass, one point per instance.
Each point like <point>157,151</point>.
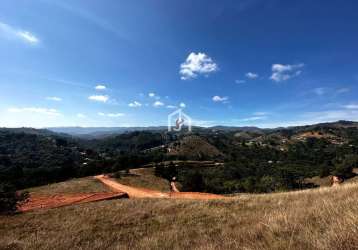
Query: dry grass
<point>145,178</point>
<point>325,218</point>
<point>80,185</point>
<point>320,182</point>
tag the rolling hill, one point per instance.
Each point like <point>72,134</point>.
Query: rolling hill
<point>324,218</point>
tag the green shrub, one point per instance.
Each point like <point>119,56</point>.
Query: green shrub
<point>9,198</point>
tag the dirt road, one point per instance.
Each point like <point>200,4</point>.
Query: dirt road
<point>131,191</point>
<point>36,202</point>
<point>134,192</point>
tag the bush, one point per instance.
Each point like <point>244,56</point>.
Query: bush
<point>345,168</point>
<point>9,198</point>
<point>193,181</point>
<point>167,172</point>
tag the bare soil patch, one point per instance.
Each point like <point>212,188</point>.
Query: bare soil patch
<point>134,192</point>
<point>60,200</point>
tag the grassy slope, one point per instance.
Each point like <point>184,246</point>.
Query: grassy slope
<point>145,178</point>
<point>80,185</point>
<point>325,218</point>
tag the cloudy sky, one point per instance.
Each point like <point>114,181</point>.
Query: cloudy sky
<point>131,63</point>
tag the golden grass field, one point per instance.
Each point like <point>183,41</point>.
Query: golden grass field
<point>325,218</point>
<point>73,186</point>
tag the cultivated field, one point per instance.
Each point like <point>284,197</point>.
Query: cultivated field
<point>325,218</point>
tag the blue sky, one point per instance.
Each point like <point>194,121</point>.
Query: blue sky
<point>131,63</point>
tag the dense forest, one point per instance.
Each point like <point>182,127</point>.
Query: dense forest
<point>250,160</point>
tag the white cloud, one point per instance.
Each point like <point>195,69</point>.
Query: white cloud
<point>23,35</point>
<point>182,105</point>
<point>260,113</point>
<point>240,81</point>
<point>332,115</point>
<point>27,36</point>
<point>99,98</point>
<point>54,98</point>
<point>171,107</point>
<point>111,114</point>
<point>154,96</point>
<point>115,114</point>
<point>135,104</point>
<point>197,64</point>
<point>80,115</point>
<point>100,87</point>
<point>343,90</point>
<point>220,99</point>
<point>282,72</point>
<point>351,106</point>
<point>158,104</point>
<point>204,123</point>
<point>251,75</point>
<point>44,111</point>
<point>253,118</point>
<point>256,116</point>
<point>319,91</point>
<point>315,117</point>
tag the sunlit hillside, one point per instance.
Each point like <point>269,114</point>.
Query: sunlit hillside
<point>325,218</point>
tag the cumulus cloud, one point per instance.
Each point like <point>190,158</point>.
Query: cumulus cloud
<point>252,75</point>
<point>14,33</point>
<point>197,64</point>
<point>135,104</point>
<point>220,99</point>
<point>282,72</point>
<point>54,98</point>
<point>154,96</point>
<point>43,111</point>
<point>111,114</point>
<point>100,87</point>
<point>80,115</point>
<point>99,98</point>
<point>158,104</point>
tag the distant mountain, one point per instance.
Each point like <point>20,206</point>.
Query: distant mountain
<point>32,131</point>
<point>232,128</point>
<point>99,132</point>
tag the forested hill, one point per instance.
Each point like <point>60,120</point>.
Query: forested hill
<point>31,157</point>
<point>255,160</point>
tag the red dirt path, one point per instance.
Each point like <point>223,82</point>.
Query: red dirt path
<point>134,192</point>
<point>36,202</point>
<point>59,200</point>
